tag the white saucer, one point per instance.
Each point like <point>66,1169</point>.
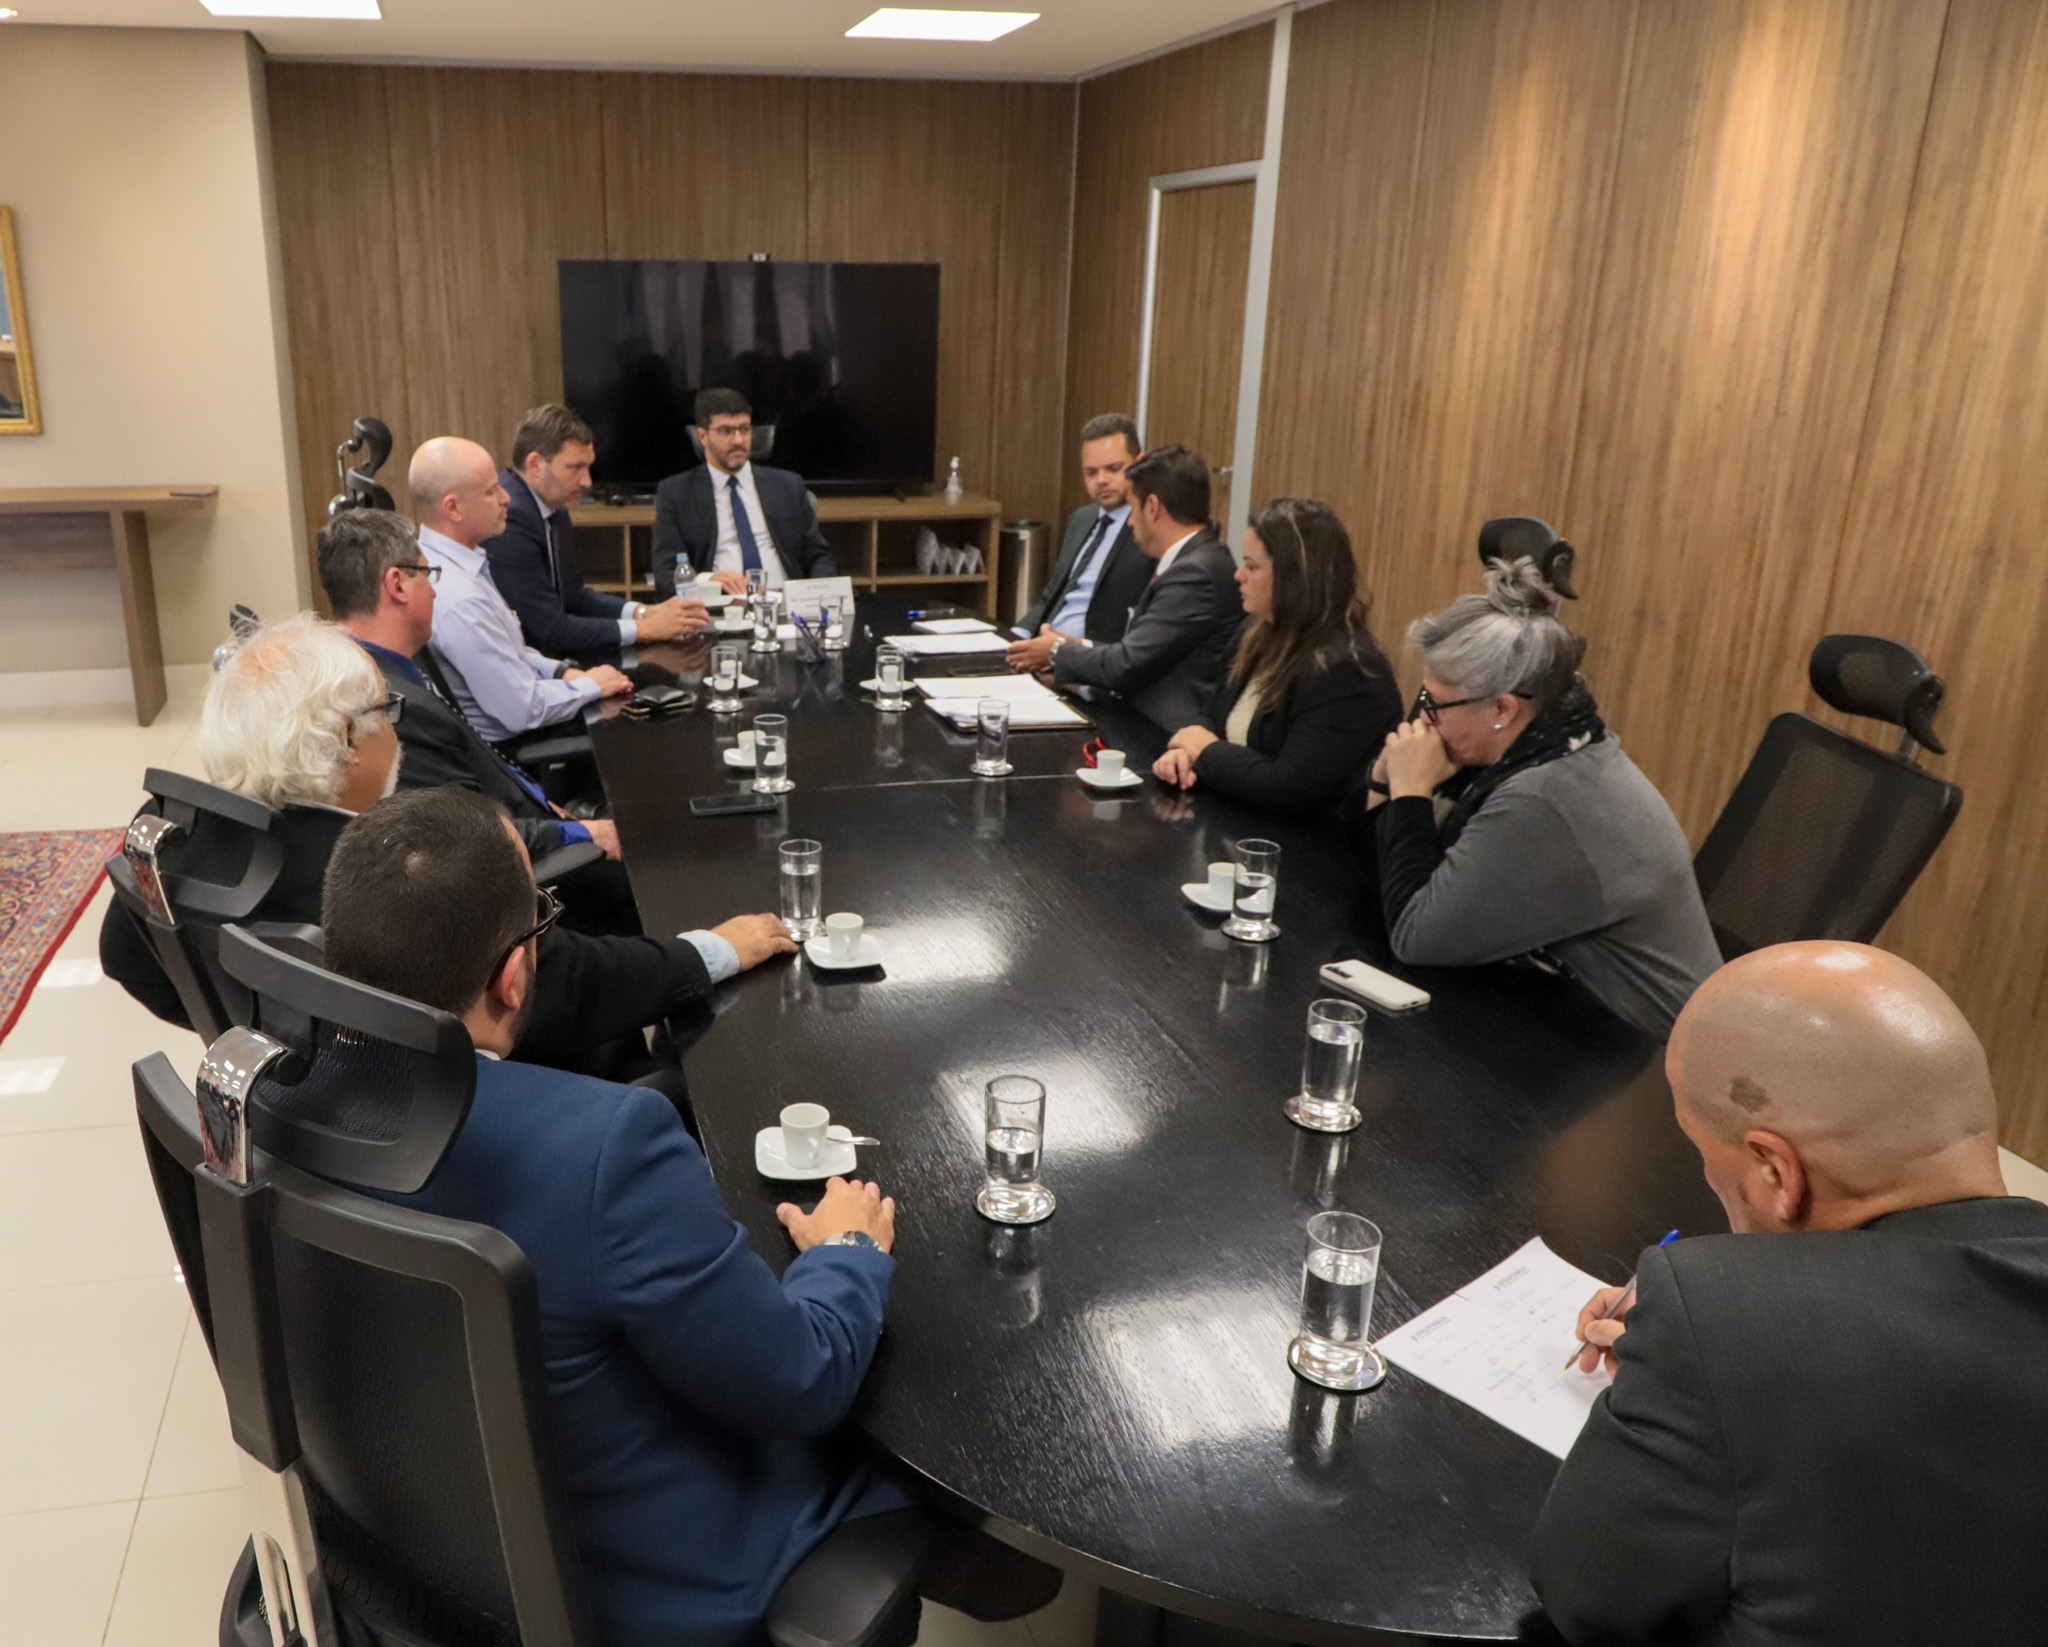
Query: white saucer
<point>733,626</point>
<point>1095,780</point>
<point>869,953</point>
<point>741,758</point>
<point>1197,893</point>
<point>839,1159</point>
<point>712,603</point>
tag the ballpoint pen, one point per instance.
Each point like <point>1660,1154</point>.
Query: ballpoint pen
<point>1628,1295</point>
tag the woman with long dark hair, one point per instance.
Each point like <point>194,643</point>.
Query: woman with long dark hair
<point>1309,697</point>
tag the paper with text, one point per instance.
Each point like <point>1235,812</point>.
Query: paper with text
<point>953,626</point>
<point>1025,713</point>
<point>808,596</point>
<point>1499,1343</point>
<point>983,686</point>
<point>939,646</point>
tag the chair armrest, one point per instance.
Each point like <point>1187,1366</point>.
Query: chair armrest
<point>858,1588</point>
<point>565,860</point>
<point>544,750</point>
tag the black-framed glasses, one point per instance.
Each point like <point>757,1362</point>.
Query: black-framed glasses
<point>1429,707</point>
<point>426,569</point>
<point>547,911</point>
<point>392,708</point>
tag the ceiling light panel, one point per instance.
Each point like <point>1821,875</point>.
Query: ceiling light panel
<point>904,23</point>
<point>356,11</point>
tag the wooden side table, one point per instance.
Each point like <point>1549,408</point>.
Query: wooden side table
<point>127,510</point>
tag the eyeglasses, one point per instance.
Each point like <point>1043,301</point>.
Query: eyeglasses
<point>548,909</point>
<point>426,569</point>
<point>391,708</point>
<point>1429,708</point>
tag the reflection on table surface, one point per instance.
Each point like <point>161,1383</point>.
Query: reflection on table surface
<point>1112,1385</point>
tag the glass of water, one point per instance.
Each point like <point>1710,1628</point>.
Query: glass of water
<point>726,658</point>
<point>771,755</point>
<point>803,888</point>
<point>1015,1135</point>
<point>992,739</point>
<point>757,580</point>
<point>767,619</point>
<point>1258,886</point>
<point>891,676</point>
<point>1334,1347</point>
<point>832,617</point>
<point>1329,1068</point>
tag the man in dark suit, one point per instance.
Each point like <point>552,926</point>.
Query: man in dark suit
<point>1184,626</point>
<point>687,1384</point>
<point>727,518</point>
<point>1100,571</point>
<point>1824,1427</point>
<point>533,561</point>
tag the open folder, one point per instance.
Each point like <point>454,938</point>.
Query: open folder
<point>957,698</point>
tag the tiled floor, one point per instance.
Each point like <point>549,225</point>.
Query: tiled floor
<point>119,1512</point>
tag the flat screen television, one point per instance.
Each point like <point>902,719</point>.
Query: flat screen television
<point>842,358</point>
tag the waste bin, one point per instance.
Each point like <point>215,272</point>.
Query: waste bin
<point>1025,565</point>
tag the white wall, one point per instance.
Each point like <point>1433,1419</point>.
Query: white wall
<point>137,163</point>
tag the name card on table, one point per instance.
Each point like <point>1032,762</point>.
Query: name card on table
<point>808,595</point>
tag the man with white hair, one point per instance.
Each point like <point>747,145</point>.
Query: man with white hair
<point>503,686</point>
<point>1823,1427</point>
<point>299,718</point>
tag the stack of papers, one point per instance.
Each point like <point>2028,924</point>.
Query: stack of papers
<point>957,698</point>
<point>940,646</point>
<point>1499,1344</point>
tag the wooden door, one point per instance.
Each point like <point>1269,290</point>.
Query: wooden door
<point>1205,249</point>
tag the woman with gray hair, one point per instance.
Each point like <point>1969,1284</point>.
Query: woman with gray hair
<point>1508,822</point>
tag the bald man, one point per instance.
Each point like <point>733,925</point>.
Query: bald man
<point>1826,1427</point>
<point>504,688</point>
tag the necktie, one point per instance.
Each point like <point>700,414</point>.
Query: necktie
<point>558,528</point>
<point>430,671</point>
<point>1088,547</point>
<point>750,551</point>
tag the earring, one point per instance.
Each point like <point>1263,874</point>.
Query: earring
<point>1497,725</point>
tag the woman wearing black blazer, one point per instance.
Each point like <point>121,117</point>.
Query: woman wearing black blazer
<point>1309,698</point>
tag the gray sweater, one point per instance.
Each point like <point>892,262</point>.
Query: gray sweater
<point>1580,856</point>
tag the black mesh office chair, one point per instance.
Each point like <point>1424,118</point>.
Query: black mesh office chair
<point>1825,834</point>
<point>358,490</point>
<point>1512,537</point>
<point>382,1367</point>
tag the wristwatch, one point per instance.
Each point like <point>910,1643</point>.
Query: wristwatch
<point>852,1238</point>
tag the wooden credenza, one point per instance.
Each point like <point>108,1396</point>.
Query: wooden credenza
<point>874,537</point>
<point>126,509</point>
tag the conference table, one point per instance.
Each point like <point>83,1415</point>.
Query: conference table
<point>1110,1389</point>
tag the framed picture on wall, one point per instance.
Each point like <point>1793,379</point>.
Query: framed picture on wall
<point>20,412</point>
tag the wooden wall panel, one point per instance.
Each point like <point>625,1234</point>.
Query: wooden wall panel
<point>1943,540</point>
<point>704,166</point>
<point>1767,162</point>
<point>1205,106</point>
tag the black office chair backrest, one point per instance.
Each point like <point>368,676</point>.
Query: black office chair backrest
<point>1824,834</point>
<point>387,1359</point>
<point>358,490</point>
<point>1516,537</point>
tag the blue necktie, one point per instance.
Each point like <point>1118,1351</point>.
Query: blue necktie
<point>750,551</point>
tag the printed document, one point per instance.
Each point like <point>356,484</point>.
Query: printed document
<point>1499,1343</point>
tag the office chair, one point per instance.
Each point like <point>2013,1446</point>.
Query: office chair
<point>242,620</point>
<point>382,1367</point>
<point>358,490</point>
<point>1511,537</point>
<point>1825,834</point>
<point>764,443</point>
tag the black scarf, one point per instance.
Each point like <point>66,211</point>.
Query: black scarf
<point>1568,725</point>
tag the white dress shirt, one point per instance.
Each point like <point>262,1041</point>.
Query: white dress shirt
<point>629,630</point>
<point>502,686</point>
<point>1167,559</point>
<point>1073,607</point>
<point>726,556</point>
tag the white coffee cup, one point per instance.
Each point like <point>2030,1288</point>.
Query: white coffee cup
<point>842,935</point>
<point>711,594</point>
<point>1109,765</point>
<point>746,740</point>
<point>803,1134</point>
<point>1222,882</point>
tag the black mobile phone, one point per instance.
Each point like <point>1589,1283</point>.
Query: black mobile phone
<point>720,806</point>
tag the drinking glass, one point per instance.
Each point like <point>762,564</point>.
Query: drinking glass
<point>757,580</point>
<point>992,742</point>
<point>803,888</point>
<point>1015,1135</point>
<point>771,755</point>
<point>832,619</point>
<point>1334,1347</point>
<point>767,619</point>
<point>726,658</point>
<point>1329,1068</point>
<point>890,672</point>
<point>1258,887</point>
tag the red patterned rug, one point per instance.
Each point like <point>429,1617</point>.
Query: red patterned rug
<point>46,880</point>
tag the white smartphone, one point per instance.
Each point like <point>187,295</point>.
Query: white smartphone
<point>1368,983</point>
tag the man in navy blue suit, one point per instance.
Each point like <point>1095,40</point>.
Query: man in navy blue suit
<point>533,561</point>
<point>688,1388</point>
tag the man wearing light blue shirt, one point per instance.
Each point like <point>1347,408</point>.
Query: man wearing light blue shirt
<point>1099,573</point>
<point>504,688</point>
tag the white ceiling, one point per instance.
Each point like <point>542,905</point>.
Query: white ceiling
<point>1070,38</point>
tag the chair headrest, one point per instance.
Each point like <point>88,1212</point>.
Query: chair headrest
<point>1884,679</point>
<point>228,834</point>
<point>375,435</point>
<point>378,1085</point>
<point>1515,537</point>
<point>371,436</point>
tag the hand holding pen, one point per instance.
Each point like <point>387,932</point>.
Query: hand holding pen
<point>1608,1304</point>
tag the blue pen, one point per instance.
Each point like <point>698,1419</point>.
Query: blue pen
<point>917,611</point>
<point>1628,1297</point>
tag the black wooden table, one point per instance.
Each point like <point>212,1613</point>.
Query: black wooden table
<point>1111,1388</point>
